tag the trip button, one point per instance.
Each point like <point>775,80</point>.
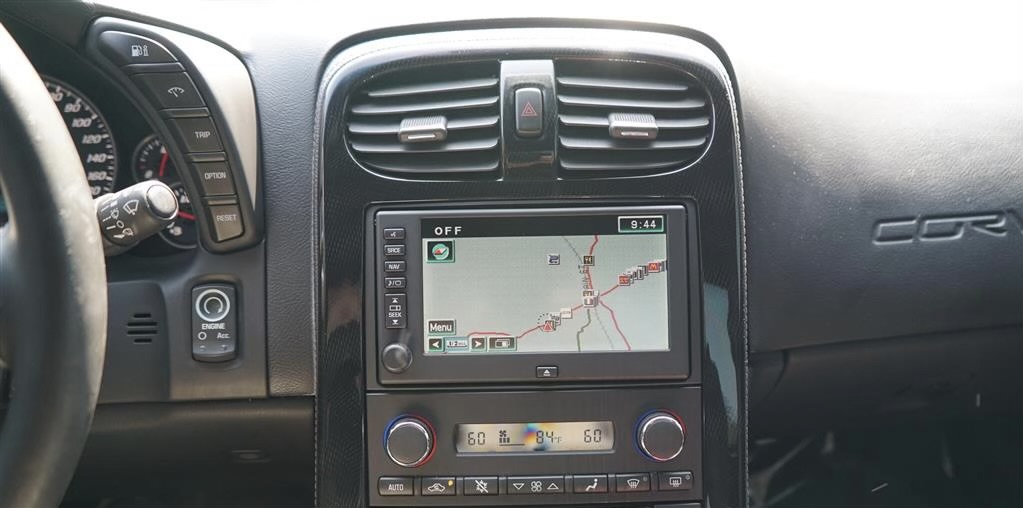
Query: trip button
<point>226,221</point>
<point>396,486</point>
<point>632,482</point>
<point>126,49</point>
<point>214,178</point>
<point>197,134</point>
<point>169,90</point>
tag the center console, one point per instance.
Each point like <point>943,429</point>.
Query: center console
<point>532,272</point>
<point>482,299</point>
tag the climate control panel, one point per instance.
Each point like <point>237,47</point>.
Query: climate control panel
<point>566,446</point>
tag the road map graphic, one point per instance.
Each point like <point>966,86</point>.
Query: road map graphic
<point>530,294</point>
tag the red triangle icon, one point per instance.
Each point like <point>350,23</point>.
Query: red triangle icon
<point>528,110</point>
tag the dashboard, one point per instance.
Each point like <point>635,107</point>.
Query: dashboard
<point>467,259</point>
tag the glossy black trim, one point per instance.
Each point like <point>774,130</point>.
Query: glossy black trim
<point>713,183</point>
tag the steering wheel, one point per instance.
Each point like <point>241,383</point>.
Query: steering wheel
<point>53,294</point>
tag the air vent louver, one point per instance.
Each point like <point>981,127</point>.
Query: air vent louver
<point>435,122</point>
<point>628,118</point>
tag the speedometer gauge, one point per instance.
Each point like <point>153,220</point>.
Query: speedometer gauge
<point>91,134</point>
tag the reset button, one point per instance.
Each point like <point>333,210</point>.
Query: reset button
<point>226,221</point>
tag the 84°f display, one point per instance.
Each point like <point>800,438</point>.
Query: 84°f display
<point>542,437</point>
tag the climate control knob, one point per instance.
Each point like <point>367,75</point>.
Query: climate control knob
<point>409,441</point>
<point>661,436</point>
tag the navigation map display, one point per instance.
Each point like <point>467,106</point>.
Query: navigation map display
<point>545,284</point>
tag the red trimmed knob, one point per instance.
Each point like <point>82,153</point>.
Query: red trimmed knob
<point>409,441</point>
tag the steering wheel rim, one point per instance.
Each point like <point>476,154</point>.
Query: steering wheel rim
<point>53,299</point>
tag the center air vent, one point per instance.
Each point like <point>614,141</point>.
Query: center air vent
<point>629,118</point>
<point>431,121</point>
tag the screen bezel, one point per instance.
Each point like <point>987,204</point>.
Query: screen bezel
<point>674,364</point>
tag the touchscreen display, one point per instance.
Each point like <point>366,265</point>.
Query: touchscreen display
<point>545,284</point>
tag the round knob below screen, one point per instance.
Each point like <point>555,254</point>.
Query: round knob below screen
<point>409,441</point>
<point>661,435</point>
<point>396,357</point>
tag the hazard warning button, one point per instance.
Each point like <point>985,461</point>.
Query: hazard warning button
<point>528,112</point>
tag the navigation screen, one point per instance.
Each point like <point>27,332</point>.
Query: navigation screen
<point>545,284</point>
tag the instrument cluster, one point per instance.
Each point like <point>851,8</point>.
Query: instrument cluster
<point>116,144</point>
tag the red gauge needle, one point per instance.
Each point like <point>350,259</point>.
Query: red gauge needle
<point>163,164</point>
<point>186,215</point>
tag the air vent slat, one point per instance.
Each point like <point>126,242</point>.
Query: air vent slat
<point>607,144</point>
<point>623,84</point>
<point>456,146</point>
<point>444,86</point>
<point>605,165</point>
<point>615,102</point>
<point>429,122</point>
<point>416,107</point>
<point>624,118</point>
<point>664,124</point>
<point>453,125</point>
<point>448,166</point>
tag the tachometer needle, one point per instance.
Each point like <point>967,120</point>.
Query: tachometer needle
<point>163,163</point>
<point>186,215</point>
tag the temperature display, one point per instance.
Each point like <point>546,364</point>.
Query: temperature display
<point>545,437</point>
